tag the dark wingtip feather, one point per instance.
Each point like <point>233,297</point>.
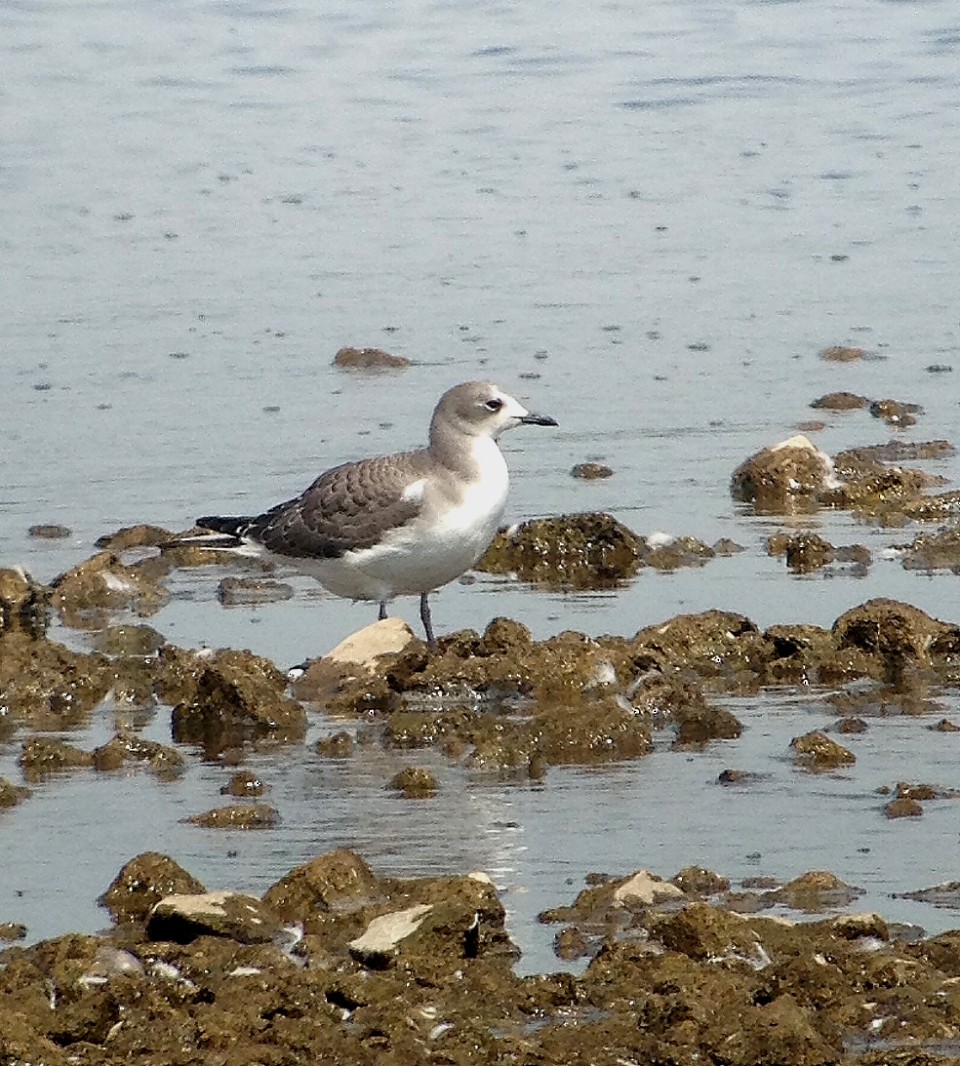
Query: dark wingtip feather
<point>233,526</point>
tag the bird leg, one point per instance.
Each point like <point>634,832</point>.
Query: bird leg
<point>427,623</point>
<point>383,611</point>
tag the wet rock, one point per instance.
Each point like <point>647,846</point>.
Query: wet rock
<point>785,478</point>
<point>358,658</point>
<point>817,890</point>
<point>725,547</point>
<point>591,733</point>
<point>244,783</point>
<point>23,604</point>
<point>379,942</point>
<point>47,685</point>
<point>946,894</point>
<point>238,698</point>
<point>41,756</point>
<point>11,794</point>
<point>337,746</point>
<point>237,816</point>
<point>591,471</point>
<point>49,531</point>
<point>12,931</point>
<point>143,882</point>
<point>840,401</point>
<point>903,807</point>
<point>125,747</point>
<point>663,552</point>
<point>86,595</point>
<point>738,777</point>
<point>895,413</point>
<point>369,359</point>
<point>851,725</point>
<point>842,353</point>
<point>713,643</point>
<point>415,782</point>
<point>933,551</point>
<point>572,551</point>
<point>339,880</point>
<point>697,881</point>
<point>945,726</point>
<point>139,536</point>
<point>244,591</point>
<point>816,751</point>
<point>183,918</point>
<point>896,451</point>
<point>805,552</point>
<point>897,632</point>
<point>140,640</point>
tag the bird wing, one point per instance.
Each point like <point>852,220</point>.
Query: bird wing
<point>349,507</point>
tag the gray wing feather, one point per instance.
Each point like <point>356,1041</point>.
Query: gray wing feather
<point>349,507</point>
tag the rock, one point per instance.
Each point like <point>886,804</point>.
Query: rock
<point>12,931</point>
<point>337,746</point>
<point>49,686</point>
<point>339,880</point>
<point>126,747</point>
<point>143,882</point>
<point>11,794</point>
<point>41,756</point>
<point>574,551</point>
<point>49,532</point>
<point>87,594</point>
<point>369,359</point>
<point>663,552</point>
<point>711,643</point>
<point>895,413</point>
<point>817,751</point>
<point>139,536</point>
<point>851,725</point>
<point>378,944</point>
<point>644,889</point>
<point>933,551</point>
<point>183,918</point>
<point>23,604</point>
<point>840,401</point>
<point>842,353</point>
<point>784,478</point>
<point>414,782</point>
<point>591,471</point>
<point>696,881</point>
<point>238,698</point>
<point>805,552</point>
<point>244,783</point>
<point>237,816</point>
<point>816,890</point>
<point>896,631</point>
<point>903,807</point>
<point>140,641</point>
<point>243,591</point>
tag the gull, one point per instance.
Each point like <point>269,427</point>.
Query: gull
<point>396,525</point>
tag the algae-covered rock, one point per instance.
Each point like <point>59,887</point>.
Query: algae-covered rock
<point>183,918</point>
<point>339,880</point>
<point>369,359</point>
<point>237,816</point>
<point>894,630</point>
<point>125,747</point>
<point>582,551</point>
<point>143,882</point>
<point>23,603</point>
<point>816,751</point>
<point>41,756</point>
<point>415,782</point>
<point>785,478</point>
<point>86,595</point>
<point>238,698</point>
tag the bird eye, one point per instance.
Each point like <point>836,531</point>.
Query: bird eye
<point>494,405</point>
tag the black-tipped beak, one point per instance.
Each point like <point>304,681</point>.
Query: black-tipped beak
<point>530,419</point>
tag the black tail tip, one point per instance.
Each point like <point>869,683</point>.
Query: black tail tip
<point>220,524</point>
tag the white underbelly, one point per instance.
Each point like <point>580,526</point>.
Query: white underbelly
<point>432,551</point>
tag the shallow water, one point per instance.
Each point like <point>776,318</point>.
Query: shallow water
<point>645,223</point>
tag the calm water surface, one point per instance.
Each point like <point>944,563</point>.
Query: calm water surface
<point>645,222</point>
